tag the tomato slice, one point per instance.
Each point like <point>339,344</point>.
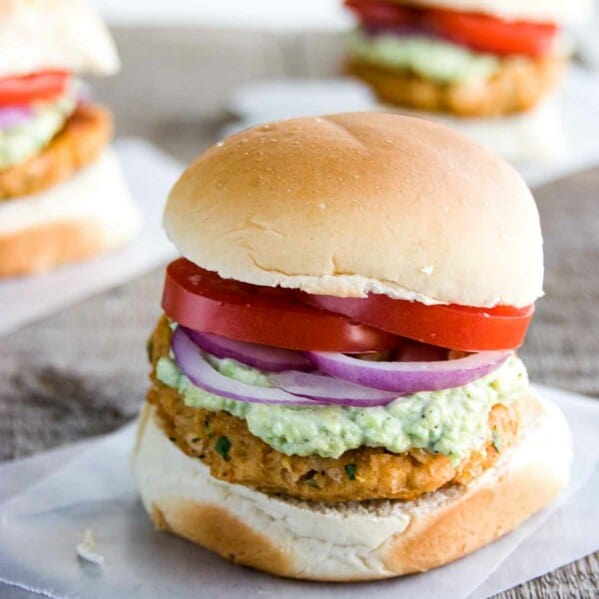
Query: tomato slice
<point>480,32</point>
<point>201,300</point>
<point>452,326</point>
<point>490,34</point>
<point>44,85</point>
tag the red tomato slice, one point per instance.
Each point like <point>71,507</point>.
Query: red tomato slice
<point>480,32</point>
<point>31,88</point>
<point>490,34</point>
<point>455,327</point>
<point>201,300</point>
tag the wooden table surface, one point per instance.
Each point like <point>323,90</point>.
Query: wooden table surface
<point>81,371</point>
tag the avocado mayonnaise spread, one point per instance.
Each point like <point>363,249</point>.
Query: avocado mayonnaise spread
<point>19,143</point>
<point>435,59</point>
<point>450,422</point>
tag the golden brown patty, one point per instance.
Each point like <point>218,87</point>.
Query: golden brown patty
<point>81,141</point>
<point>224,443</point>
<point>517,86</point>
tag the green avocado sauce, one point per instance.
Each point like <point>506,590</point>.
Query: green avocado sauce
<point>451,422</point>
<point>435,59</point>
<point>17,144</point>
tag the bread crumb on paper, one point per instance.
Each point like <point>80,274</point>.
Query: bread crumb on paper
<point>86,550</point>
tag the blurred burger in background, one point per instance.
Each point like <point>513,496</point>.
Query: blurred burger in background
<point>62,195</point>
<point>466,58</point>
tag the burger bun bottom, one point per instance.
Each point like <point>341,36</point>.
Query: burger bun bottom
<point>90,214</point>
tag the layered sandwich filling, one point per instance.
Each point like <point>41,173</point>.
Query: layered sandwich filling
<point>434,52</point>
<point>24,137</point>
<point>330,398</point>
<point>428,57</point>
<point>46,131</point>
<point>413,445</point>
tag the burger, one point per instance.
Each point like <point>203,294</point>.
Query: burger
<point>60,183</point>
<point>466,57</point>
<point>336,393</point>
<point>470,58</point>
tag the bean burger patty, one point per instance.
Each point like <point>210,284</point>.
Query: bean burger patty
<point>518,85</point>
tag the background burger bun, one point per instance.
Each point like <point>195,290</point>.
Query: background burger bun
<point>89,214</point>
<point>352,541</point>
<point>37,35</point>
<point>356,203</point>
<point>543,11</point>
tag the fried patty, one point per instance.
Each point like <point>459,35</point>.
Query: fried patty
<point>233,454</point>
<point>517,86</point>
<point>80,141</point>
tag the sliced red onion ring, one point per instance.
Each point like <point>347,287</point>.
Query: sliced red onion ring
<point>331,390</point>
<point>263,357</point>
<point>409,377</point>
<point>12,116</point>
<point>202,375</point>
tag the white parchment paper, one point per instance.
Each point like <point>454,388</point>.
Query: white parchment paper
<point>40,528</point>
<point>150,174</point>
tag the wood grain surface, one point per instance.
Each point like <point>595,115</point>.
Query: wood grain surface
<point>82,371</point>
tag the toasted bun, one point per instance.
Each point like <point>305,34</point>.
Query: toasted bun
<point>356,203</point>
<point>552,11</point>
<point>89,214</point>
<point>54,34</point>
<point>358,541</point>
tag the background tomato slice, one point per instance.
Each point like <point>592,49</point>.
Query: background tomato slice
<point>484,33</point>
<point>44,85</point>
<point>202,300</point>
<point>455,327</point>
<point>490,34</point>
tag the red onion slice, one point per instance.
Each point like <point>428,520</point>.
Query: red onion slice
<point>263,357</point>
<point>331,390</point>
<point>196,368</point>
<point>13,116</point>
<point>409,377</point>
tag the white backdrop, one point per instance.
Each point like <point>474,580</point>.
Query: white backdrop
<point>285,15</point>
<point>279,14</point>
